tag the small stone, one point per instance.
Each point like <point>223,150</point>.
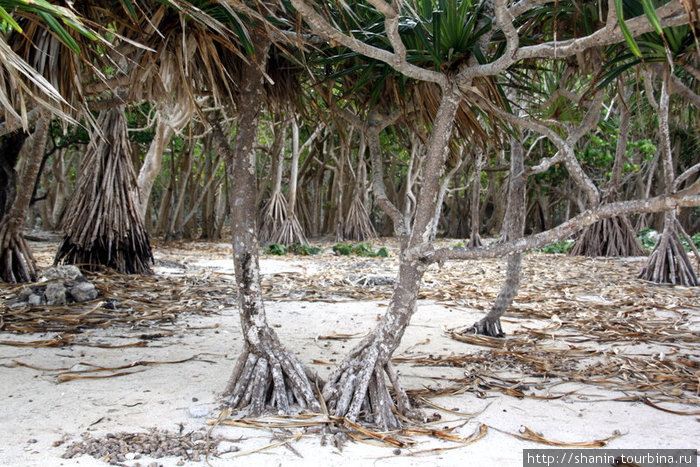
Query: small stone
<point>34,299</point>
<point>83,292</point>
<point>55,294</point>
<point>66,272</point>
<point>198,411</point>
<point>25,293</point>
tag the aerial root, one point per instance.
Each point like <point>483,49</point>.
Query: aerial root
<point>668,262</point>
<point>485,327</point>
<point>276,380</point>
<point>17,264</point>
<point>357,390</point>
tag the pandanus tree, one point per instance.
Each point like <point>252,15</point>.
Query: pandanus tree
<point>357,387</point>
<point>102,224</point>
<point>39,64</point>
<point>659,47</point>
<point>266,373</point>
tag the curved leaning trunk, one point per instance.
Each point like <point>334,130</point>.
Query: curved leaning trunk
<point>357,388</point>
<point>152,164</point>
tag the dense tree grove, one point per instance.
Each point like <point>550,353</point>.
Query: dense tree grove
<point>526,121</point>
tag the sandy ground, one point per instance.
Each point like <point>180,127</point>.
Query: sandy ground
<point>40,416</point>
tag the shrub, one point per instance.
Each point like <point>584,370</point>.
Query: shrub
<point>304,249</point>
<point>559,247</point>
<point>361,249</point>
<point>275,249</point>
<point>648,238</point>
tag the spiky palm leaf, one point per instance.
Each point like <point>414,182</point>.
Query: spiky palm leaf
<point>40,58</point>
<point>439,35</point>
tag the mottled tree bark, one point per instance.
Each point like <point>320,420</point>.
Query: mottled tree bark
<point>17,263</point>
<point>266,374</point>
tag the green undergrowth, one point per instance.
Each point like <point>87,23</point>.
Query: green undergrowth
<point>562,246</point>
<point>361,249</point>
<point>647,237</point>
<point>295,249</point>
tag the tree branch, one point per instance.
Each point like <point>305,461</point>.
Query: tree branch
<point>566,229</point>
<point>322,27</point>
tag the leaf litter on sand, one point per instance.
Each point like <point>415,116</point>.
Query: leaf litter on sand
<point>591,316</point>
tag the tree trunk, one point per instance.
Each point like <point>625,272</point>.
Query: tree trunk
<point>474,217</point>
<point>490,325</point>
<point>275,212</point>
<point>357,387</point>
<point>152,163</point>
<point>291,231</point>
<point>176,224</point>
<point>17,263</point>
<point>266,374</point>
<point>668,262</point>
<point>614,236</point>
<point>10,147</point>
<point>358,226</point>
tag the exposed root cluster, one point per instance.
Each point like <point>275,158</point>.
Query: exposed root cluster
<point>669,263</point>
<point>358,226</point>
<point>270,377</point>
<point>275,213</point>
<point>357,389</point>
<point>102,223</point>
<point>608,237</point>
<point>290,232</point>
<point>17,263</point>
<point>485,327</point>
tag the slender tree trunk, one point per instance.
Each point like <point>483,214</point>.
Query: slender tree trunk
<point>359,381</point>
<point>291,230</point>
<point>264,363</point>
<point>176,224</point>
<point>17,263</point>
<point>490,325</point>
<point>10,147</point>
<point>614,236</point>
<point>474,217</point>
<point>358,226</point>
<point>275,212</point>
<point>668,262</point>
<point>152,163</point>
<point>443,192</point>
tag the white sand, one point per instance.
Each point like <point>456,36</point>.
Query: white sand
<point>37,411</point>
